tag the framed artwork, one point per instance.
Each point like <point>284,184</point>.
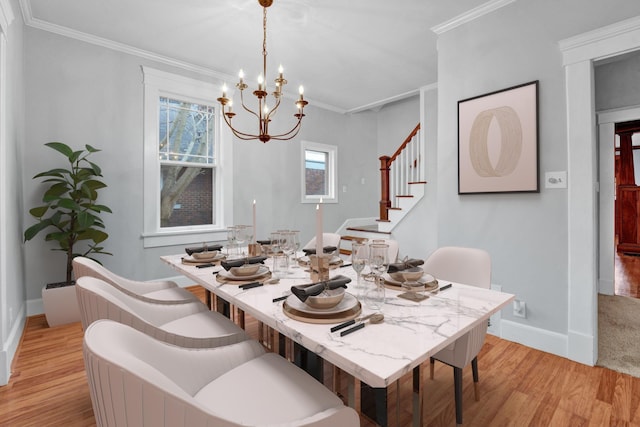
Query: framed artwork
<point>498,141</point>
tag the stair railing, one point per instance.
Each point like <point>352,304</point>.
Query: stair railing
<point>399,170</point>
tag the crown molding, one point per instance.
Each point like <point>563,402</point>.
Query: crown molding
<point>6,15</point>
<point>598,44</point>
<point>470,15</point>
<point>375,106</point>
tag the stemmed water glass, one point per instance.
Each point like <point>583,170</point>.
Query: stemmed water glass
<point>359,256</point>
<point>231,238</point>
<point>378,263</point>
<point>243,234</point>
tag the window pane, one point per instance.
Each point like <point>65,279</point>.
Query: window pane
<point>186,132</point>
<point>186,196</point>
<point>315,173</point>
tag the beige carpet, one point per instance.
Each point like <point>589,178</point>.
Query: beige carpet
<point>619,334</point>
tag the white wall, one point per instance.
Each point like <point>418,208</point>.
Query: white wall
<point>12,292</point>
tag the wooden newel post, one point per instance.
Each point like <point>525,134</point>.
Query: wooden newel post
<point>385,202</point>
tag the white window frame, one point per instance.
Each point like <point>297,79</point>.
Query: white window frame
<point>332,176</point>
<point>156,84</point>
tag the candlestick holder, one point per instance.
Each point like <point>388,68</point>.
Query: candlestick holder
<point>255,249</point>
<point>319,265</point>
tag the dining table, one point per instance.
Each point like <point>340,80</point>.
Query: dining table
<point>377,355</point>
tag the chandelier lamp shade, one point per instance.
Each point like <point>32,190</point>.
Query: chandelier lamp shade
<point>263,113</point>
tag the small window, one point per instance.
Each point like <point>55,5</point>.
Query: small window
<point>319,172</point>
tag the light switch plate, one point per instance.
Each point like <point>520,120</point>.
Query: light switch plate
<point>555,179</point>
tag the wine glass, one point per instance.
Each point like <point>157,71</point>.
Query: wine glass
<point>242,236</point>
<point>274,250</point>
<point>231,239</point>
<point>359,256</point>
<point>287,244</point>
<point>378,263</point>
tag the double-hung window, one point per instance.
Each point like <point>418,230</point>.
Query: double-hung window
<point>184,181</point>
<point>319,172</point>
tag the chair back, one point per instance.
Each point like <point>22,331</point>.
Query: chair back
<point>99,300</point>
<point>469,266</point>
<point>137,380</point>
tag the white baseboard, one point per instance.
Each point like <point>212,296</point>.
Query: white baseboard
<point>540,339</point>
<point>35,306</point>
<point>582,348</point>
<point>10,347</point>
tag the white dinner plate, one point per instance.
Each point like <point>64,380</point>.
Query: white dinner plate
<point>427,280</point>
<point>230,276</point>
<point>347,303</point>
<point>217,257</point>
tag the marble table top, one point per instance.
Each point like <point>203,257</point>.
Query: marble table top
<point>377,354</point>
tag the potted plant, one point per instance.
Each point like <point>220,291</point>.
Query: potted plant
<point>70,213</point>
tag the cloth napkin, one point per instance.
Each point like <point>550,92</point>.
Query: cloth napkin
<point>196,249</point>
<point>305,291</point>
<point>227,265</point>
<point>404,265</point>
<point>326,250</point>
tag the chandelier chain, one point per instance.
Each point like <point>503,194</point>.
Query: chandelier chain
<point>264,42</point>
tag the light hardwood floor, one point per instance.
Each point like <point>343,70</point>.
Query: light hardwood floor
<point>519,386</point>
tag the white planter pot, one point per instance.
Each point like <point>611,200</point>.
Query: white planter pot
<point>60,305</point>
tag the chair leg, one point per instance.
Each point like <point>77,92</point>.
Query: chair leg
<point>457,380</point>
<point>432,365</point>
<point>474,369</point>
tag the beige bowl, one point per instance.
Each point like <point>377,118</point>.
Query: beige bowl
<point>204,255</point>
<point>327,299</point>
<point>408,275</point>
<point>245,270</point>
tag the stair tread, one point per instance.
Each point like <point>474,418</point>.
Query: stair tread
<point>367,229</point>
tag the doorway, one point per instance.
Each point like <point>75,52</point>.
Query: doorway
<point>627,209</point>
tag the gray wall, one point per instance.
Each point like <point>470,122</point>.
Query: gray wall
<point>79,93</point>
<point>526,234</point>
<point>617,83</point>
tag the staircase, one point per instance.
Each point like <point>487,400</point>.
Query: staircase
<point>402,187</point>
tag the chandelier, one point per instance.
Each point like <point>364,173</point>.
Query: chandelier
<point>263,112</point>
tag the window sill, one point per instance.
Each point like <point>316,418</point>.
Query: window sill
<point>156,240</point>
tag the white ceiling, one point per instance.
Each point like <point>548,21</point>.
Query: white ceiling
<point>348,54</point>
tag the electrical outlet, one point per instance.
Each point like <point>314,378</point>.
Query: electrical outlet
<point>519,308</point>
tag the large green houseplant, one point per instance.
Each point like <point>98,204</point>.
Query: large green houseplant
<point>70,212</point>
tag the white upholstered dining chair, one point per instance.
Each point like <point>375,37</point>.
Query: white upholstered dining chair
<point>164,290</point>
<point>469,266</point>
<point>135,380</point>
<point>189,324</point>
